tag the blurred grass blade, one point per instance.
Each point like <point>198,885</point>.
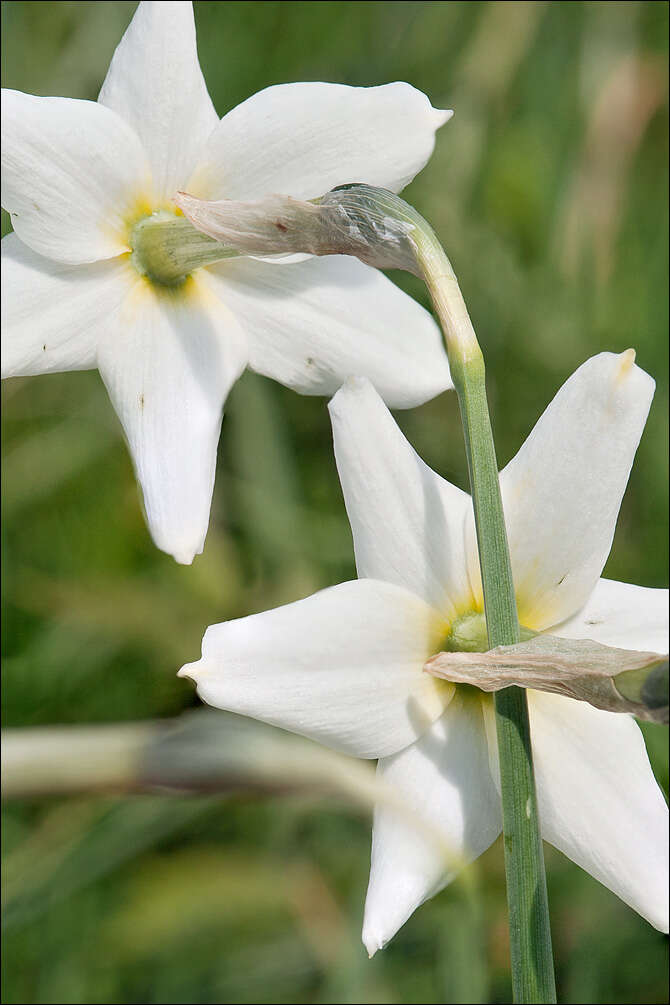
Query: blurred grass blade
<point>201,751</point>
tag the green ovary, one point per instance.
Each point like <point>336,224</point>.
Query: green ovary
<point>166,248</point>
<point>468,634</point>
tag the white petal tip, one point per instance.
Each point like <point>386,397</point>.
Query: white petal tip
<point>372,944</point>
<point>442,116</point>
<point>183,552</point>
<point>189,670</point>
<point>626,363</point>
<point>184,555</point>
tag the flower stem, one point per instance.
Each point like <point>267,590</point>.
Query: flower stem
<point>530,934</point>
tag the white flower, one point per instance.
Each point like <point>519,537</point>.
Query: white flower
<point>79,175</point>
<point>345,665</point>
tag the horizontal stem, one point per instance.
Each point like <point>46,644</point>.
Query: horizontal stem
<point>202,751</point>
<point>57,760</point>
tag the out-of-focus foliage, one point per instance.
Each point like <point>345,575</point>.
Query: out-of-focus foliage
<point>549,191</point>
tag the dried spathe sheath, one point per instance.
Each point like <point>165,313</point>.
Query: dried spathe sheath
<point>617,680</point>
<point>351,220</point>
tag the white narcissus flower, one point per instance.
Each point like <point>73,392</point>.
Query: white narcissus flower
<point>78,178</point>
<point>345,666</point>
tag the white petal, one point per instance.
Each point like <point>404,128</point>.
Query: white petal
<point>74,176</point>
<point>408,523</point>
<point>304,139</point>
<point>154,82</point>
<point>599,802</point>
<point>562,491</point>
<point>621,615</point>
<point>168,369</point>
<point>443,780</point>
<point>313,324</point>
<point>344,667</point>
<point>53,314</point>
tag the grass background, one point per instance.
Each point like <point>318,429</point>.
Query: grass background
<point>549,189</point>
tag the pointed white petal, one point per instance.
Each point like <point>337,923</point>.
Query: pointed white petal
<point>443,780</point>
<point>562,491</point>
<point>621,615</point>
<point>313,324</point>
<point>344,667</point>
<point>74,176</point>
<point>53,315</point>
<point>154,82</point>
<point>408,523</point>
<point>304,139</point>
<point>168,369</point>
<point>599,802</point>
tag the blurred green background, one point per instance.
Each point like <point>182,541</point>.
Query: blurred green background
<point>549,190</point>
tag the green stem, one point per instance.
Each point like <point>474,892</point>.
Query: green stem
<point>530,934</point>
